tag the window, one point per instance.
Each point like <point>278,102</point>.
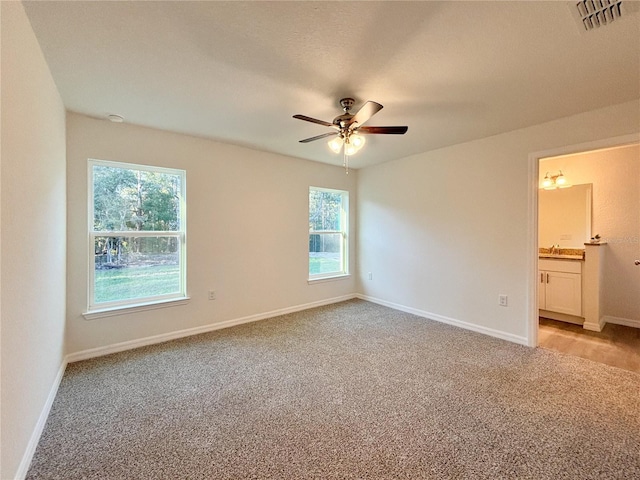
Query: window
<point>328,228</point>
<point>137,251</point>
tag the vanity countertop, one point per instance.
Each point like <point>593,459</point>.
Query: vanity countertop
<point>561,256</point>
<point>562,253</point>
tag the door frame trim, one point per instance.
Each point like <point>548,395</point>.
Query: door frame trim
<point>532,214</point>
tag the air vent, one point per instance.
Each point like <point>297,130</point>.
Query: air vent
<point>597,13</point>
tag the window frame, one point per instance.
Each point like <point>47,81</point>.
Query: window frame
<point>96,310</point>
<point>343,232</point>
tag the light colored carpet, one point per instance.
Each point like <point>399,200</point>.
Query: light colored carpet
<point>352,390</point>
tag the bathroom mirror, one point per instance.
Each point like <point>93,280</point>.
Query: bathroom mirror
<point>564,216</point>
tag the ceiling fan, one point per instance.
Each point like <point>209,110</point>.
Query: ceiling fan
<point>348,127</point>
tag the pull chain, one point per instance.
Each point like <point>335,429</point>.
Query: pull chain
<point>345,162</point>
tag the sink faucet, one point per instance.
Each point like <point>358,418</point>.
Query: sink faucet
<point>555,249</point>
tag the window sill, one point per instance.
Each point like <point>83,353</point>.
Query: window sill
<point>341,276</point>
<point>126,309</point>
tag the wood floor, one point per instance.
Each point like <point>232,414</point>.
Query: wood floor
<point>616,345</point>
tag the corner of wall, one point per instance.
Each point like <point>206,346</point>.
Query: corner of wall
<point>33,150</point>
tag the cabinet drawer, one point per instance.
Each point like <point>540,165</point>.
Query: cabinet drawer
<point>567,266</point>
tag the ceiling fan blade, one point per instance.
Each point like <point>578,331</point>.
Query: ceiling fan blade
<point>313,120</point>
<point>367,111</point>
<point>385,130</point>
<point>318,137</point>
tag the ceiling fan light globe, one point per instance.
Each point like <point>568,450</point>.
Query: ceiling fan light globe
<point>349,149</point>
<point>357,141</point>
<point>335,144</point>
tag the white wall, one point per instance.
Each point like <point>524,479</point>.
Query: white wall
<point>615,175</point>
<point>445,232</point>
<point>33,236</point>
<point>247,221</point>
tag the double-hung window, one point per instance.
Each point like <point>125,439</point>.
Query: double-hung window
<point>137,244</point>
<point>328,232</point>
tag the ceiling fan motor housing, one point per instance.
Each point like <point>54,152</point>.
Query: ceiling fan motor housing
<point>345,119</point>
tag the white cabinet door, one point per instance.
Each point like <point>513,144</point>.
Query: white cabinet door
<point>563,292</point>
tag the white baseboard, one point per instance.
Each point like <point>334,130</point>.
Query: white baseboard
<point>23,468</point>
<point>42,420</point>
<point>164,337</point>
<point>562,317</point>
<point>594,326</point>
<point>450,321</point>
<point>129,345</point>
<point>629,322</point>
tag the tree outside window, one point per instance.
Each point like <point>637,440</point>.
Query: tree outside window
<point>137,236</point>
<point>328,224</point>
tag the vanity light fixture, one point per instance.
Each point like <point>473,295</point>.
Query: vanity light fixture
<point>551,182</point>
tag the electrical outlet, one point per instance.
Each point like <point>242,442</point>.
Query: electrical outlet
<point>370,276</point>
<point>212,294</point>
<point>502,299</point>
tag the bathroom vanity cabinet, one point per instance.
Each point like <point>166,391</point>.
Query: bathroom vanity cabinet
<point>560,286</point>
<point>569,288</point>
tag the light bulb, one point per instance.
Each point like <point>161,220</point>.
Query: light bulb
<point>349,149</point>
<point>335,144</point>
<point>357,141</point>
<point>560,180</point>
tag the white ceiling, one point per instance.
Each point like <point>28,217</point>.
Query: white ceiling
<point>238,71</point>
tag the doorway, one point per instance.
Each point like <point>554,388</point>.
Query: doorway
<point>612,168</point>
